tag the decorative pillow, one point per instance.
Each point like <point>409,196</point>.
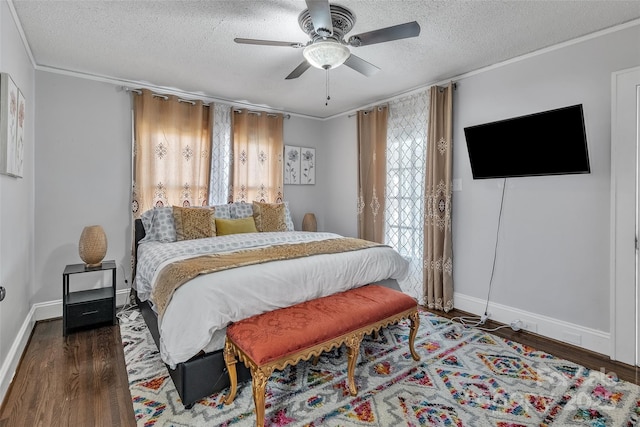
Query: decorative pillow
<point>159,225</point>
<point>287,217</point>
<point>241,210</point>
<point>235,226</point>
<point>269,216</point>
<point>194,223</point>
<point>244,210</point>
<point>147,220</point>
<point>223,211</point>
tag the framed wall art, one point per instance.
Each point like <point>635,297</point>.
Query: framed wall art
<point>299,165</point>
<point>307,165</point>
<point>12,116</point>
<point>291,164</point>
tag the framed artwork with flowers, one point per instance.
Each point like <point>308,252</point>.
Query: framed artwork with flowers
<point>307,165</point>
<point>12,115</point>
<point>291,164</point>
<point>299,165</point>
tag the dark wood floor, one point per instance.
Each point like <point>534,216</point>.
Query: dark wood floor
<point>81,380</point>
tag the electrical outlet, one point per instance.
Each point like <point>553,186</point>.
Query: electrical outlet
<point>516,325</point>
<point>530,326</point>
<point>572,338</point>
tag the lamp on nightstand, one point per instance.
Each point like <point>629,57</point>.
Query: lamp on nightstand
<point>309,222</point>
<point>93,245</point>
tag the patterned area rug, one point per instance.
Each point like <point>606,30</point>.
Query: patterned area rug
<point>466,377</point>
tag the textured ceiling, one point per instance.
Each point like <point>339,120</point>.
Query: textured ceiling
<point>188,45</point>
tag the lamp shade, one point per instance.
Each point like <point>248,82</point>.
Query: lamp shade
<point>326,54</point>
<point>93,245</point>
<point>309,222</point>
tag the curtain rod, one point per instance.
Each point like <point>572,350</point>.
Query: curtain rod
<point>165,97</point>
<point>192,102</point>
<point>186,101</point>
<point>454,85</point>
<point>368,110</point>
<point>257,113</point>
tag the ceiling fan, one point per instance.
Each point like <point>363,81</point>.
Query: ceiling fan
<point>327,24</point>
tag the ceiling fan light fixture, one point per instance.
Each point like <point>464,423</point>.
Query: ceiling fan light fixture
<point>326,54</point>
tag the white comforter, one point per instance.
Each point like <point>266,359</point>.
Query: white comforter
<point>197,316</point>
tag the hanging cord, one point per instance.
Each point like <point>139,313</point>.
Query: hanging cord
<point>130,305</point>
<point>476,321</point>
<point>495,248</point>
<point>327,86</point>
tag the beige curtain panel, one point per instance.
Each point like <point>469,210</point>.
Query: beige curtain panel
<point>372,173</point>
<point>438,261</point>
<point>257,157</point>
<point>172,150</point>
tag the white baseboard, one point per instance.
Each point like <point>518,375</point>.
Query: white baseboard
<point>10,363</point>
<point>587,338</point>
<point>39,311</point>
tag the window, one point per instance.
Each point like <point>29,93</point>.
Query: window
<point>406,163</point>
<point>171,152</point>
<point>219,187</point>
<point>257,157</point>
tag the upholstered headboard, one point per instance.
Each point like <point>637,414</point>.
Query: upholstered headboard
<point>139,235</point>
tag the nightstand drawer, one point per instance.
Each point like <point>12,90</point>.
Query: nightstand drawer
<point>89,313</point>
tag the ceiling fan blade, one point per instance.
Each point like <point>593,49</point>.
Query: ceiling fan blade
<point>267,42</point>
<point>396,32</point>
<point>361,66</point>
<point>304,66</point>
<point>320,17</point>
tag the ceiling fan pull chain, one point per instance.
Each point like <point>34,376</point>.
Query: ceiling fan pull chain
<point>327,85</point>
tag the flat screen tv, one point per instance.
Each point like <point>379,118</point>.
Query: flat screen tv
<point>548,143</point>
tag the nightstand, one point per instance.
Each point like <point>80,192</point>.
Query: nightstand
<point>90,307</point>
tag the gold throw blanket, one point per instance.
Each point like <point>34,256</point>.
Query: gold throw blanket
<point>177,273</point>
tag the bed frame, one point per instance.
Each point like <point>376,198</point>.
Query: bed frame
<point>200,376</point>
<point>205,373</point>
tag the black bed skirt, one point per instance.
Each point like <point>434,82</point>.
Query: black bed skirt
<point>199,376</point>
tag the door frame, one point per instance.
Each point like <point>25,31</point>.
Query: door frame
<point>623,304</point>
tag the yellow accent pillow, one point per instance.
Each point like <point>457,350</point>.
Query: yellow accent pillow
<point>235,226</point>
<point>269,216</point>
<point>194,223</point>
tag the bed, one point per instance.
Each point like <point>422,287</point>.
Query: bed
<point>190,289</point>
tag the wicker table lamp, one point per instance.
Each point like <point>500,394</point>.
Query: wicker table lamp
<point>93,245</point>
<point>309,222</point>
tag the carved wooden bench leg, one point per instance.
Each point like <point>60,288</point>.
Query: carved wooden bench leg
<point>353,350</point>
<point>230,361</point>
<point>259,379</point>
<point>414,318</point>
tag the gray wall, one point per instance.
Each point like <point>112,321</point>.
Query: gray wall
<point>553,253</point>
<point>83,176</point>
<point>553,250</point>
<point>16,205</point>
<point>302,132</point>
<point>340,154</point>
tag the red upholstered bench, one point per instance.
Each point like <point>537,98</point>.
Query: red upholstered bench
<point>273,340</point>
